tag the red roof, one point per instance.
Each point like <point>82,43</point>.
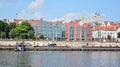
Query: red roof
<point>31,21</point>
<point>86,25</point>
<point>108,26</point>
<point>110,22</point>
<point>105,28</point>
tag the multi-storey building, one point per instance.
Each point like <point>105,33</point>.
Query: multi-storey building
<point>101,32</point>
<point>78,31</point>
<point>52,30</point>
<point>73,31</point>
<point>85,29</point>
<point>87,32</point>
<point>93,19</point>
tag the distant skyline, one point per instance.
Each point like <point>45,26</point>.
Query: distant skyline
<point>52,10</point>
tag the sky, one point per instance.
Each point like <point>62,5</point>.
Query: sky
<point>53,10</point>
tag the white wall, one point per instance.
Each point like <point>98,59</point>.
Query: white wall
<point>104,34</point>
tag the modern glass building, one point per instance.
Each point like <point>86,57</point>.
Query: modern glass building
<point>52,31</point>
<point>35,29</point>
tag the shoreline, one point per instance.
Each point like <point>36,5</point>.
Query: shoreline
<point>62,46</point>
<point>64,49</point>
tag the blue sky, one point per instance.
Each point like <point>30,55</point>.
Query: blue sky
<point>59,9</point>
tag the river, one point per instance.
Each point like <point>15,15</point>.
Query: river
<point>60,59</point>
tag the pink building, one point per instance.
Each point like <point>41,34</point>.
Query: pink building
<point>76,31</point>
<point>86,32</point>
<point>73,30</point>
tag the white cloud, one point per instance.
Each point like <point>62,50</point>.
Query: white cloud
<point>32,11</point>
<point>35,4</point>
<point>68,17</point>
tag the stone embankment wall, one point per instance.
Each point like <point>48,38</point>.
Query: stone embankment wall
<point>61,43</point>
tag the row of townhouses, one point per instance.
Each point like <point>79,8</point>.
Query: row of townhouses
<point>85,29</point>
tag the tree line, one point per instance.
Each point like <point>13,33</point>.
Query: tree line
<point>12,30</point>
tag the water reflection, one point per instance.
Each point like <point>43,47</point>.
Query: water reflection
<point>59,59</point>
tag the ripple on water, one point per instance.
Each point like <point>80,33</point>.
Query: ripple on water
<point>60,59</point>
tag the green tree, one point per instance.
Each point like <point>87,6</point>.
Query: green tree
<point>30,34</point>
<point>4,27</point>
<point>34,37</point>
<point>3,35</point>
<point>12,25</point>
<point>118,35</point>
<point>41,36</point>
<point>23,29</point>
<point>23,36</point>
<point>12,33</point>
<point>109,37</point>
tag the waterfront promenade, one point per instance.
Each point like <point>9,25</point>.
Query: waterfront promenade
<point>59,43</point>
<point>62,46</point>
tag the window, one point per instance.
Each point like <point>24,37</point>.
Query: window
<point>71,33</point>
<point>113,36</point>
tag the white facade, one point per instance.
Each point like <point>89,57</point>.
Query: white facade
<point>104,34</point>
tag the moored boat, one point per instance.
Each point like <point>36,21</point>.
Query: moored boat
<point>20,47</point>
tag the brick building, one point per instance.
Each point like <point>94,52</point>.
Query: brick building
<point>78,31</point>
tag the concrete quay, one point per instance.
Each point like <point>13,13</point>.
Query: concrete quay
<point>63,46</point>
<point>43,43</point>
<point>64,49</point>
<point>61,43</point>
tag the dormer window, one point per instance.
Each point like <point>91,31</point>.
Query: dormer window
<point>108,24</point>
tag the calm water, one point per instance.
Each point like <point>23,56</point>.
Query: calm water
<point>60,59</point>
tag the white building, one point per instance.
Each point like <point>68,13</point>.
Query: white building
<point>97,18</point>
<point>101,32</point>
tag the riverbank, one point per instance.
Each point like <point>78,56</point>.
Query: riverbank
<point>62,46</point>
<point>61,43</point>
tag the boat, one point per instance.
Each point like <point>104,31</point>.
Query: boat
<point>20,47</point>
